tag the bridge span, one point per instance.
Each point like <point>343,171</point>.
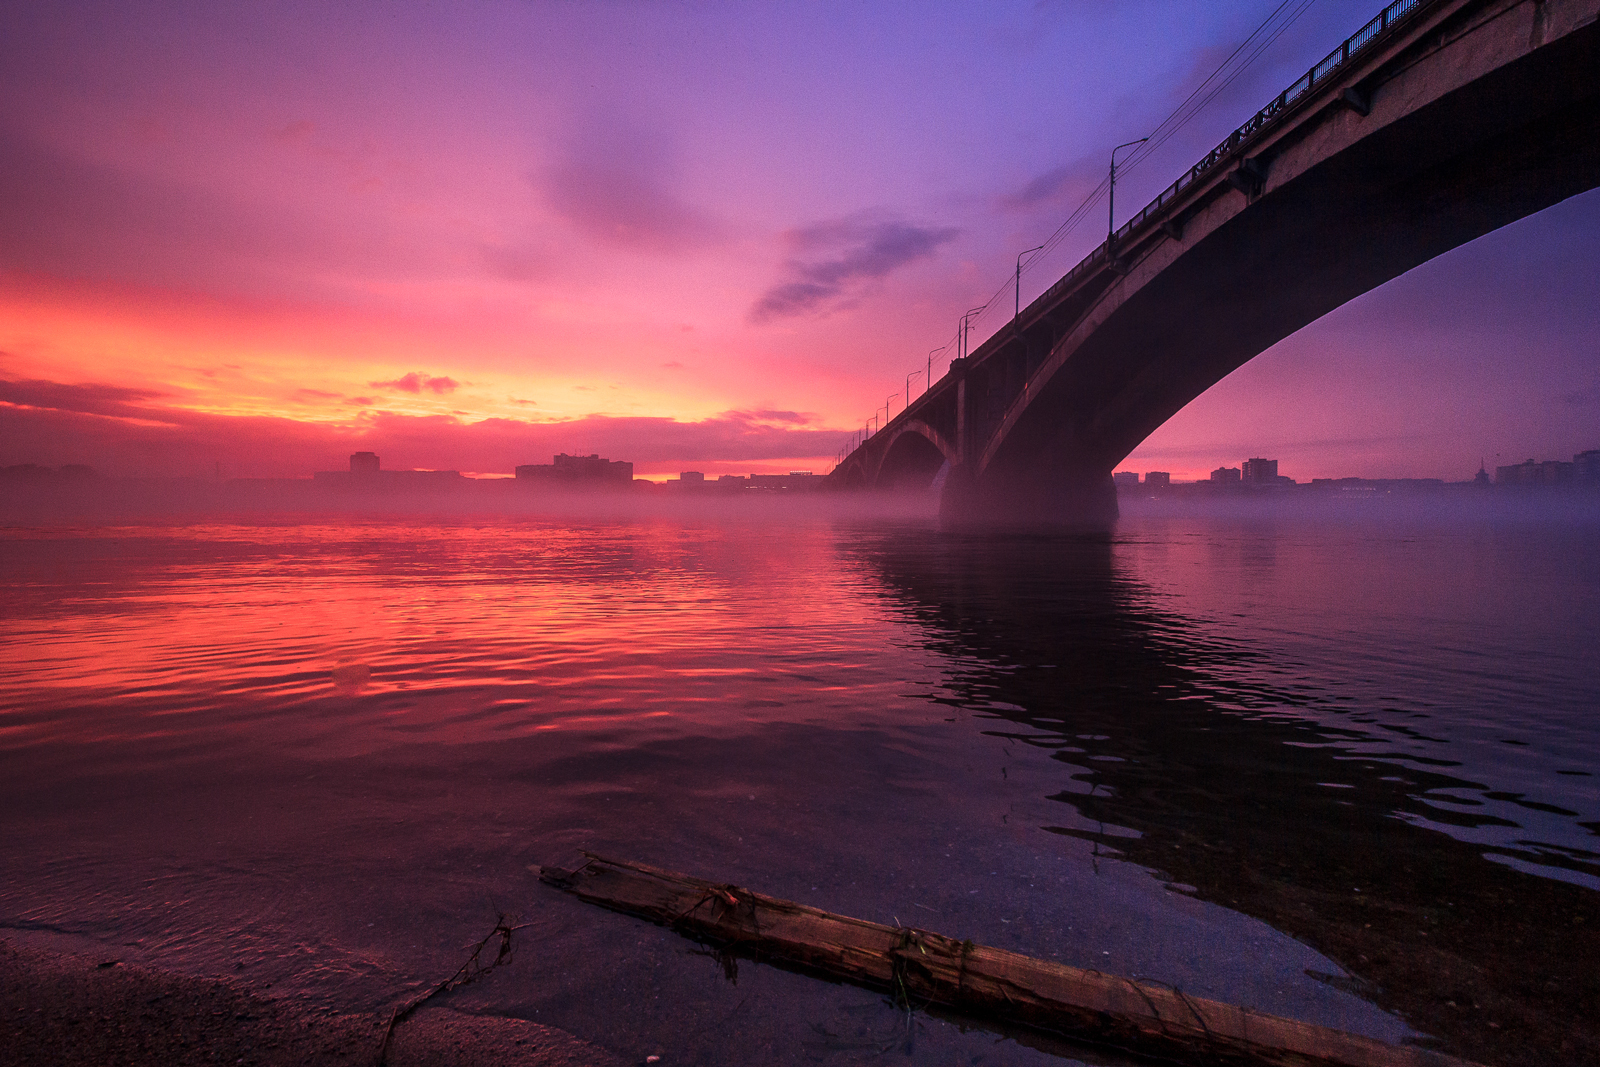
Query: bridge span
<point>1439,121</point>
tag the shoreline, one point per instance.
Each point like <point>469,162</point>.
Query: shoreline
<point>66,1010</point>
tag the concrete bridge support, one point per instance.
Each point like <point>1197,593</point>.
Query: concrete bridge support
<point>1054,489</point>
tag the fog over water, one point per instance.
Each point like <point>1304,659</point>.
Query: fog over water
<point>1333,761</point>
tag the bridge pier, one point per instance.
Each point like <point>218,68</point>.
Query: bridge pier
<point>1036,493</point>
<point>1044,499</point>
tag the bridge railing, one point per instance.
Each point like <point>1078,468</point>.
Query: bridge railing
<point>1333,63</point>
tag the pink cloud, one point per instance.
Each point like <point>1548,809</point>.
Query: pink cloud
<point>417,381</point>
<point>767,415</point>
<point>296,131</point>
<point>614,186</point>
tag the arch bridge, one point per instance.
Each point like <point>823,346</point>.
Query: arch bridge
<point>1439,121</point>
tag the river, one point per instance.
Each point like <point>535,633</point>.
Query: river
<point>1334,762</point>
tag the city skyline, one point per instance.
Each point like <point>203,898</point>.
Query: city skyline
<point>1542,470</point>
<point>264,239</point>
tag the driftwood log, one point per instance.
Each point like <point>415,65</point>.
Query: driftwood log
<point>918,966</point>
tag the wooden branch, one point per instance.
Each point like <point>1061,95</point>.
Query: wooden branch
<point>470,971</point>
<point>918,966</point>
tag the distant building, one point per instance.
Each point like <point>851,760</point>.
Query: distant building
<point>365,472</point>
<point>1555,472</point>
<point>1225,476</point>
<point>1482,477</point>
<point>577,472</point>
<point>793,481</point>
<point>689,482</point>
<point>1124,479</point>
<point>1375,485</point>
<point>1157,479</point>
<point>1585,467</point>
<point>34,473</point>
<point>1515,474</point>
<point>1259,472</point>
<point>1529,472</point>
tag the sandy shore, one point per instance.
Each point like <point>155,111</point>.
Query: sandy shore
<point>65,1011</point>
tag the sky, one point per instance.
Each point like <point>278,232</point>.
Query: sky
<point>248,239</point>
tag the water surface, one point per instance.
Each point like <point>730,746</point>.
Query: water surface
<point>1337,766</point>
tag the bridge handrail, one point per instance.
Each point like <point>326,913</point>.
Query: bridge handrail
<point>1335,61</point>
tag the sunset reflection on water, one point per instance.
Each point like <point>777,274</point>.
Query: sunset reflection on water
<point>443,632</point>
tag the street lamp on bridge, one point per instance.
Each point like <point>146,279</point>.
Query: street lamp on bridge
<point>927,381</point>
<point>1017,311</point>
<point>1111,193</point>
<point>910,376</point>
<point>966,321</point>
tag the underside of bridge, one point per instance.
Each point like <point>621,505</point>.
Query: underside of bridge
<point>1485,113</point>
<point>911,461</point>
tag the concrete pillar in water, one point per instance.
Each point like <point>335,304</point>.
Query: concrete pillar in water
<point>1038,490</point>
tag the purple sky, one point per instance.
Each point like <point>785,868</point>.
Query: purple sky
<point>708,236</point>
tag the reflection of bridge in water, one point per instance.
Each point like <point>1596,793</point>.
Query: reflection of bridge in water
<point>1440,121</point>
<point>1178,748</point>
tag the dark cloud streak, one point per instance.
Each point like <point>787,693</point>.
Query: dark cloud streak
<point>1060,187</point>
<point>93,399</point>
<point>862,251</point>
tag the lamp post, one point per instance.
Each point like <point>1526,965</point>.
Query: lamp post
<point>966,321</point>
<point>927,382</point>
<point>1111,193</point>
<point>910,376</point>
<point>1017,310</point>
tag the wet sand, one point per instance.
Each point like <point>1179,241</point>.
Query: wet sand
<point>73,1011</point>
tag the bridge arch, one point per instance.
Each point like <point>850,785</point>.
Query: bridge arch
<point>851,474</point>
<point>910,455</point>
